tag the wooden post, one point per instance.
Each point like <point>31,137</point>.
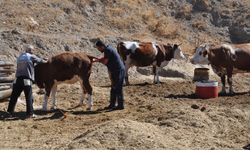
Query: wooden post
<point>5,94</point>
<point>6,79</point>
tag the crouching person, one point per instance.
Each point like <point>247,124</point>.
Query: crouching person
<point>24,80</point>
<point>116,71</point>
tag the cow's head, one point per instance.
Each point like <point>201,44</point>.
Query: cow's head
<point>178,54</point>
<point>201,55</point>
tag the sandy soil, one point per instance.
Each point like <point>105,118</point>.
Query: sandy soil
<point>159,116</point>
<point>164,116</point>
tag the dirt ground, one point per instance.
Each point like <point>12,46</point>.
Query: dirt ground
<point>159,116</point>
<point>164,116</point>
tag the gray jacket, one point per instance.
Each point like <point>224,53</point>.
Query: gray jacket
<point>25,65</point>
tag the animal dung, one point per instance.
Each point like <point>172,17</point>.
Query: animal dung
<point>203,108</point>
<point>194,106</point>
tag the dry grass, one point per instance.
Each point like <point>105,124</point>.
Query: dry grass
<point>160,25</point>
<point>115,12</point>
<point>184,12</point>
<point>200,25</point>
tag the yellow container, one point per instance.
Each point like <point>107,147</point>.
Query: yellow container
<point>201,74</point>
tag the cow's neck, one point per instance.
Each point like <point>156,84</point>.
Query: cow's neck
<point>169,56</point>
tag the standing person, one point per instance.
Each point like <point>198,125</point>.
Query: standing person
<point>23,81</point>
<point>116,70</point>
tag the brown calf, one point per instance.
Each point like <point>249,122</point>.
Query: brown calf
<point>65,68</point>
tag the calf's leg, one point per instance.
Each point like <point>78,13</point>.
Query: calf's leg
<point>89,90</point>
<point>156,74</point>
<point>46,95</point>
<point>223,81</point>
<point>126,74</point>
<point>53,95</point>
<point>83,94</point>
<point>230,80</point>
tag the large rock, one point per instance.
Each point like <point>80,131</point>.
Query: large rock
<point>201,5</point>
<point>239,34</point>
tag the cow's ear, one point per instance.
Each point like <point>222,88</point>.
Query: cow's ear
<point>205,53</point>
<point>175,46</point>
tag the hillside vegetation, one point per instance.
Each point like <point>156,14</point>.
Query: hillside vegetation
<point>58,25</point>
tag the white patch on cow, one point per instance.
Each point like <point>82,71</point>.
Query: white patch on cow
<point>178,54</point>
<point>90,102</point>
<point>53,95</point>
<point>128,64</point>
<point>155,48</point>
<point>227,46</point>
<point>156,77</point>
<point>198,57</point>
<point>45,102</point>
<point>131,45</point>
<point>83,95</point>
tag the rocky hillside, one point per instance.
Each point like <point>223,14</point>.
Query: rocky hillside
<point>64,25</point>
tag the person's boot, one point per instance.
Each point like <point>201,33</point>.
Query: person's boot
<point>120,103</point>
<point>111,101</point>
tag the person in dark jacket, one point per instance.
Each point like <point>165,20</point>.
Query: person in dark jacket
<point>116,71</point>
<point>24,80</point>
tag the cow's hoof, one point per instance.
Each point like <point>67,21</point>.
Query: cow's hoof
<point>231,93</point>
<point>53,108</point>
<point>222,93</point>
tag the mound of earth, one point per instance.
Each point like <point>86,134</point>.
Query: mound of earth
<point>122,134</point>
<point>178,128</point>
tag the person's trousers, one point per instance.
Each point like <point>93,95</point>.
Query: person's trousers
<point>116,93</point>
<point>19,85</point>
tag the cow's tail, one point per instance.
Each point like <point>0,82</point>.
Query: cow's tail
<point>119,47</point>
<point>122,51</point>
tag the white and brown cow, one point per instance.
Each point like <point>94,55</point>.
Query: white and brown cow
<point>65,68</point>
<point>225,59</point>
<point>143,54</point>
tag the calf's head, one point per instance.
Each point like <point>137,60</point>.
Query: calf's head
<point>178,54</point>
<point>201,55</point>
